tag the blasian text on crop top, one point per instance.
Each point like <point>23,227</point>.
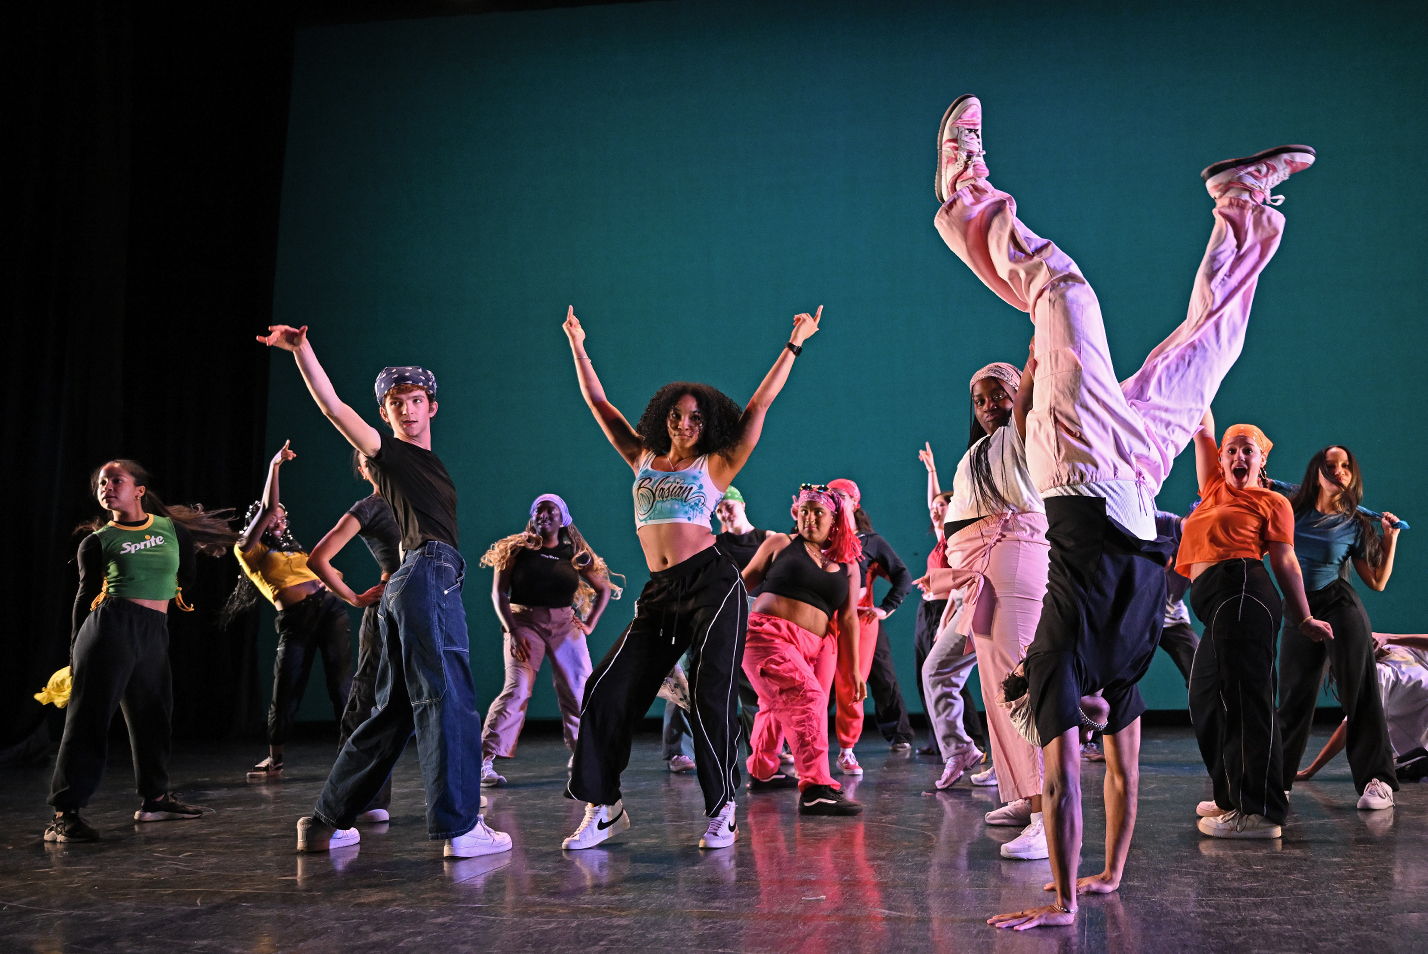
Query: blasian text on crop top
<point>680,496</point>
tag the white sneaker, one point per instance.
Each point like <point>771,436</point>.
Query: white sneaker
<point>1030,845</point>
<point>1254,176</point>
<point>483,803</point>
<point>957,764</point>
<point>1237,824</point>
<point>1209,809</point>
<point>375,815</point>
<point>984,779</point>
<point>723,830</point>
<point>848,763</point>
<point>681,764</point>
<point>1015,814</point>
<point>481,840</point>
<point>1377,795</point>
<point>489,775</point>
<point>601,823</point>
<point>313,835</point>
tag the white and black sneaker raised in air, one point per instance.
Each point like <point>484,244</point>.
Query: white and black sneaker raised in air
<point>600,824</point>
<point>826,800</point>
<point>166,808</point>
<point>723,831</point>
<point>776,781</point>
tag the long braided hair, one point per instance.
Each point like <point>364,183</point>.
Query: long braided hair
<point>245,595</point>
<point>502,555</point>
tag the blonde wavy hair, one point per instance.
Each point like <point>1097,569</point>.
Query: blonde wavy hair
<point>503,553</point>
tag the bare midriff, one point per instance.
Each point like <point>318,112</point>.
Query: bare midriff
<point>796,612</point>
<point>295,594</point>
<point>161,606</point>
<point>1197,568</point>
<point>666,544</point>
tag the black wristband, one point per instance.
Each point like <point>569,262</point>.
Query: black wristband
<point>796,349</point>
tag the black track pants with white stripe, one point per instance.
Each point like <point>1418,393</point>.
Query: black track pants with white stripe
<point>1232,687</point>
<point>699,606</point>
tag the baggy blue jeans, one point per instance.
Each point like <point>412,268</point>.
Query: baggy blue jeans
<point>424,686</point>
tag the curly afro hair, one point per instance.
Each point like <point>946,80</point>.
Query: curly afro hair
<point>721,418</point>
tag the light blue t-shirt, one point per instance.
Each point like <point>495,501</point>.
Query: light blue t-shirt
<point>1324,544</point>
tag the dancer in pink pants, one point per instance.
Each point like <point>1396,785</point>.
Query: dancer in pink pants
<point>1098,451</point>
<point>809,591</point>
<point>550,590</point>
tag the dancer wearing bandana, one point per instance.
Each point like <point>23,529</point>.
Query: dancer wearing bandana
<point>687,448</point>
<point>1098,451</point>
<point>550,590</point>
<point>809,593</point>
<point>424,683</point>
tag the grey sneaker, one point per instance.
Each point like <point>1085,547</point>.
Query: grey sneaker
<point>166,808</point>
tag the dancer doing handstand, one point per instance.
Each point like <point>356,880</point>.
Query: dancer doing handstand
<point>687,448</point>
<point>1098,451</point>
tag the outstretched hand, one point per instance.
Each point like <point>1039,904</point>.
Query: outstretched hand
<point>284,336</point>
<point>1049,916</point>
<point>925,455</point>
<point>805,326</point>
<point>572,328</point>
<point>284,454</point>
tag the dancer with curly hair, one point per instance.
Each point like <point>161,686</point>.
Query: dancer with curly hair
<point>132,562</point>
<point>311,621</point>
<point>809,592</point>
<point>550,591</point>
<point>1098,451</point>
<point>690,443</point>
<point>1330,532</point>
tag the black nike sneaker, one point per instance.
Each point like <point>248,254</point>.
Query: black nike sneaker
<point>68,827</point>
<point>826,800</point>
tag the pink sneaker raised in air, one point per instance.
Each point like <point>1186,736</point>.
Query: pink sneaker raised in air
<point>1256,175</point>
<point>960,157</point>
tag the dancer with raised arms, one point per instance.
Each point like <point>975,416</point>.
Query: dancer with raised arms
<point>1098,451</point>
<point>424,684</point>
<point>687,448</point>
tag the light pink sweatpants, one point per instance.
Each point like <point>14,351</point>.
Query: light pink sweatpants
<point>1084,426</point>
<point>546,632</point>
<point>1004,624</point>
<point>778,659</point>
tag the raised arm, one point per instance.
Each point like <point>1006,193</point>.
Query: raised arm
<point>933,488</point>
<point>358,432</point>
<point>1207,450</point>
<point>320,562</point>
<point>1291,584</point>
<point>1377,576</point>
<point>1021,404</point>
<point>617,430</point>
<point>270,502</point>
<point>724,468</point>
<point>758,567</point>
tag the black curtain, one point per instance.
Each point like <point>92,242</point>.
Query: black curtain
<point>142,150</point>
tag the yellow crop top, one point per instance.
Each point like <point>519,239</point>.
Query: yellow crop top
<point>273,570</point>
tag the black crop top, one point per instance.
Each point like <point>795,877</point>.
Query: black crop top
<point>544,577</point>
<point>794,575</point>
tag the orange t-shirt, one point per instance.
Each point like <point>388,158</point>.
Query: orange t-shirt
<point>1231,524</point>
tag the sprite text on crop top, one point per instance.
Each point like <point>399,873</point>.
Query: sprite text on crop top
<point>680,496</point>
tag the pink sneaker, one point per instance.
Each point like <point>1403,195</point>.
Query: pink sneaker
<point>960,157</point>
<point>957,764</point>
<point>1257,174</point>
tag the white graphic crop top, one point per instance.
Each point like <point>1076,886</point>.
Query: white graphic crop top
<point>680,496</point>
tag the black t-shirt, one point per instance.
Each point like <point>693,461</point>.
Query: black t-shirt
<point>544,577</point>
<point>379,531</point>
<point>741,547</point>
<point>414,482</point>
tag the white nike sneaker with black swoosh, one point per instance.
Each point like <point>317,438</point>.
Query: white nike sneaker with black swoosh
<point>600,824</point>
<point>723,830</point>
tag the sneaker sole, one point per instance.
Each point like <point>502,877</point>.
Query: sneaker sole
<point>142,816</point>
<point>707,845</point>
<point>1374,808</point>
<point>1024,856</point>
<point>449,852</point>
<point>830,811</point>
<point>619,828</point>
<point>53,839</point>
<point>1260,833</point>
<point>263,776</point>
<point>1017,822</point>
<point>332,845</point>
<point>1210,171</point>
<point>949,117</point>
<point>492,783</point>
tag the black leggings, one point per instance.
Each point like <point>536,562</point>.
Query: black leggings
<point>1350,656</point>
<point>699,606</point>
<point>311,626</point>
<point>121,661</point>
<point>889,709</point>
<point>1232,685</point>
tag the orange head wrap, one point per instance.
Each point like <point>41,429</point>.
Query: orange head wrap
<point>1253,433</point>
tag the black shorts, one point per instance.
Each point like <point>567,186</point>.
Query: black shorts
<point>1100,620</point>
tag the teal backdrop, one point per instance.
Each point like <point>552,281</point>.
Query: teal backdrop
<point>689,175</point>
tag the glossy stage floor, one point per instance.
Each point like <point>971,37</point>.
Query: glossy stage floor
<point>917,872</point>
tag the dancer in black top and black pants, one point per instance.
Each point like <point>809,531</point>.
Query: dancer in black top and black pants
<point>371,519</point>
